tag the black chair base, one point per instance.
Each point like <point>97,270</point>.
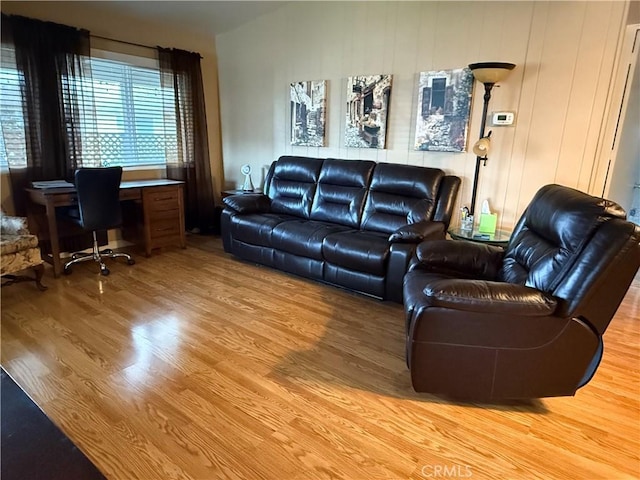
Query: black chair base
<point>97,255</point>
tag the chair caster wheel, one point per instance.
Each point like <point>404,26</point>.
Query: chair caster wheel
<point>104,271</point>
<point>67,270</point>
<point>131,261</point>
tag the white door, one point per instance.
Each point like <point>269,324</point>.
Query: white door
<point>618,175</point>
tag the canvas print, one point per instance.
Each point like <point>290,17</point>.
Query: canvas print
<point>444,103</point>
<point>367,111</point>
<point>308,113</point>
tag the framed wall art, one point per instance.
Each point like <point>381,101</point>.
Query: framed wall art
<point>444,104</point>
<point>367,111</point>
<point>308,113</point>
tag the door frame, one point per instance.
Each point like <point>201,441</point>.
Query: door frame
<point>608,143</point>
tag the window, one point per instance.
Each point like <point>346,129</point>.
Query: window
<point>438,89</point>
<point>12,142</point>
<point>132,127</point>
<point>124,119</point>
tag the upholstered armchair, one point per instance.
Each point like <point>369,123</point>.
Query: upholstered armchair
<point>19,251</point>
<point>488,324</point>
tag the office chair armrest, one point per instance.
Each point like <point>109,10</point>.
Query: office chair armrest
<point>248,203</point>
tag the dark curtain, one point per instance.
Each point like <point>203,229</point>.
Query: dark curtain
<point>181,74</point>
<point>52,60</point>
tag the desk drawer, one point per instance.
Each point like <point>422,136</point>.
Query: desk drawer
<point>163,217</point>
<point>164,228</point>
<point>169,213</point>
<point>161,199</point>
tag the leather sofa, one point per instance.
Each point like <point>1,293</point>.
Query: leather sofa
<point>351,223</point>
<point>485,323</point>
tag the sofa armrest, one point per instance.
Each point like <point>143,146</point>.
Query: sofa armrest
<point>466,259</point>
<point>248,203</point>
<point>447,195</point>
<point>489,297</point>
<point>418,232</point>
<point>10,225</point>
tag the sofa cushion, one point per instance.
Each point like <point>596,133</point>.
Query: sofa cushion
<point>341,191</point>
<point>15,243</point>
<point>293,185</point>
<point>256,228</point>
<point>303,237</point>
<point>400,194</point>
<point>20,260</point>
<point>357,250</point>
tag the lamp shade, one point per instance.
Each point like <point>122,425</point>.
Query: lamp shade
<point>491,72</point>
<point>481,147</point>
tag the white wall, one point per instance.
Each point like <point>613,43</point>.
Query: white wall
<point>564,53</point>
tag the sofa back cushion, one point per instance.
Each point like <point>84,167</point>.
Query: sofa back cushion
<point>341,191</point>
<point>293,185</point>
<point>400,194</point>
<point>551,234</point>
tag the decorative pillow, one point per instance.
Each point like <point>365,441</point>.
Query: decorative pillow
<point>13,225</point>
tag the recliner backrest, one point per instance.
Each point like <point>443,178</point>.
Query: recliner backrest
<point>98,192</point>
<point>293,185</point>
<point>551,234</point>
<point>599,279</point>
<point>342,190</point>
<point>400,194</point>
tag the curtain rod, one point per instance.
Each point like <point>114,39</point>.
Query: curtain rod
<point>123,41</point>
<point>129,43</point>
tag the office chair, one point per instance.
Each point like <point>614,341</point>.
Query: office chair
<point>99,208</point>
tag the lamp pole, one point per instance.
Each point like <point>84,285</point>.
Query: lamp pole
<point>487,97</point>
<point>488,73</point>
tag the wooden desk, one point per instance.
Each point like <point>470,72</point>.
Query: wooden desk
<point>156,219</point>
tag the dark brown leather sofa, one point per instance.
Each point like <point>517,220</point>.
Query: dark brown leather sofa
<point>351,223</point>
<point>525,322</point>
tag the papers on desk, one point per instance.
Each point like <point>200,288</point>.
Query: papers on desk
<point>52,184</point>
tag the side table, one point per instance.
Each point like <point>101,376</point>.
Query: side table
<point>226,193</point>
<point>500,238</point>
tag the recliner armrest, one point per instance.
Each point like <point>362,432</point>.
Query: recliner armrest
<point>418,232</point>
<point>248,203</point>
<point>489,297</point>
<point>466,259</point>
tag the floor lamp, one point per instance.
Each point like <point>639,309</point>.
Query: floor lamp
<point>488,73</point>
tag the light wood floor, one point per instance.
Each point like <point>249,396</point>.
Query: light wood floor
<point>192,364</point>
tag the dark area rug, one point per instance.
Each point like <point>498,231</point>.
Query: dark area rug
<point>33,448</point>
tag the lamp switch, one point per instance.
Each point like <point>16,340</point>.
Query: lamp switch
<point>499,119</point>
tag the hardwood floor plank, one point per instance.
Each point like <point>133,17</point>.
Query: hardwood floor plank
<point>194,365</point>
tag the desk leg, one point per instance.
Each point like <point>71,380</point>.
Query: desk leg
<point>53,237</point>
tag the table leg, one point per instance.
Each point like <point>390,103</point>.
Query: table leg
<point>53,237</point>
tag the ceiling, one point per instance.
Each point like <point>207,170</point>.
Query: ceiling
<point>207,17</point>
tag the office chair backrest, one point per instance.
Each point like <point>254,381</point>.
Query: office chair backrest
<point>99,197</point>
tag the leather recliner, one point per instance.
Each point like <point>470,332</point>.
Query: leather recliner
<point>485,323</point>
